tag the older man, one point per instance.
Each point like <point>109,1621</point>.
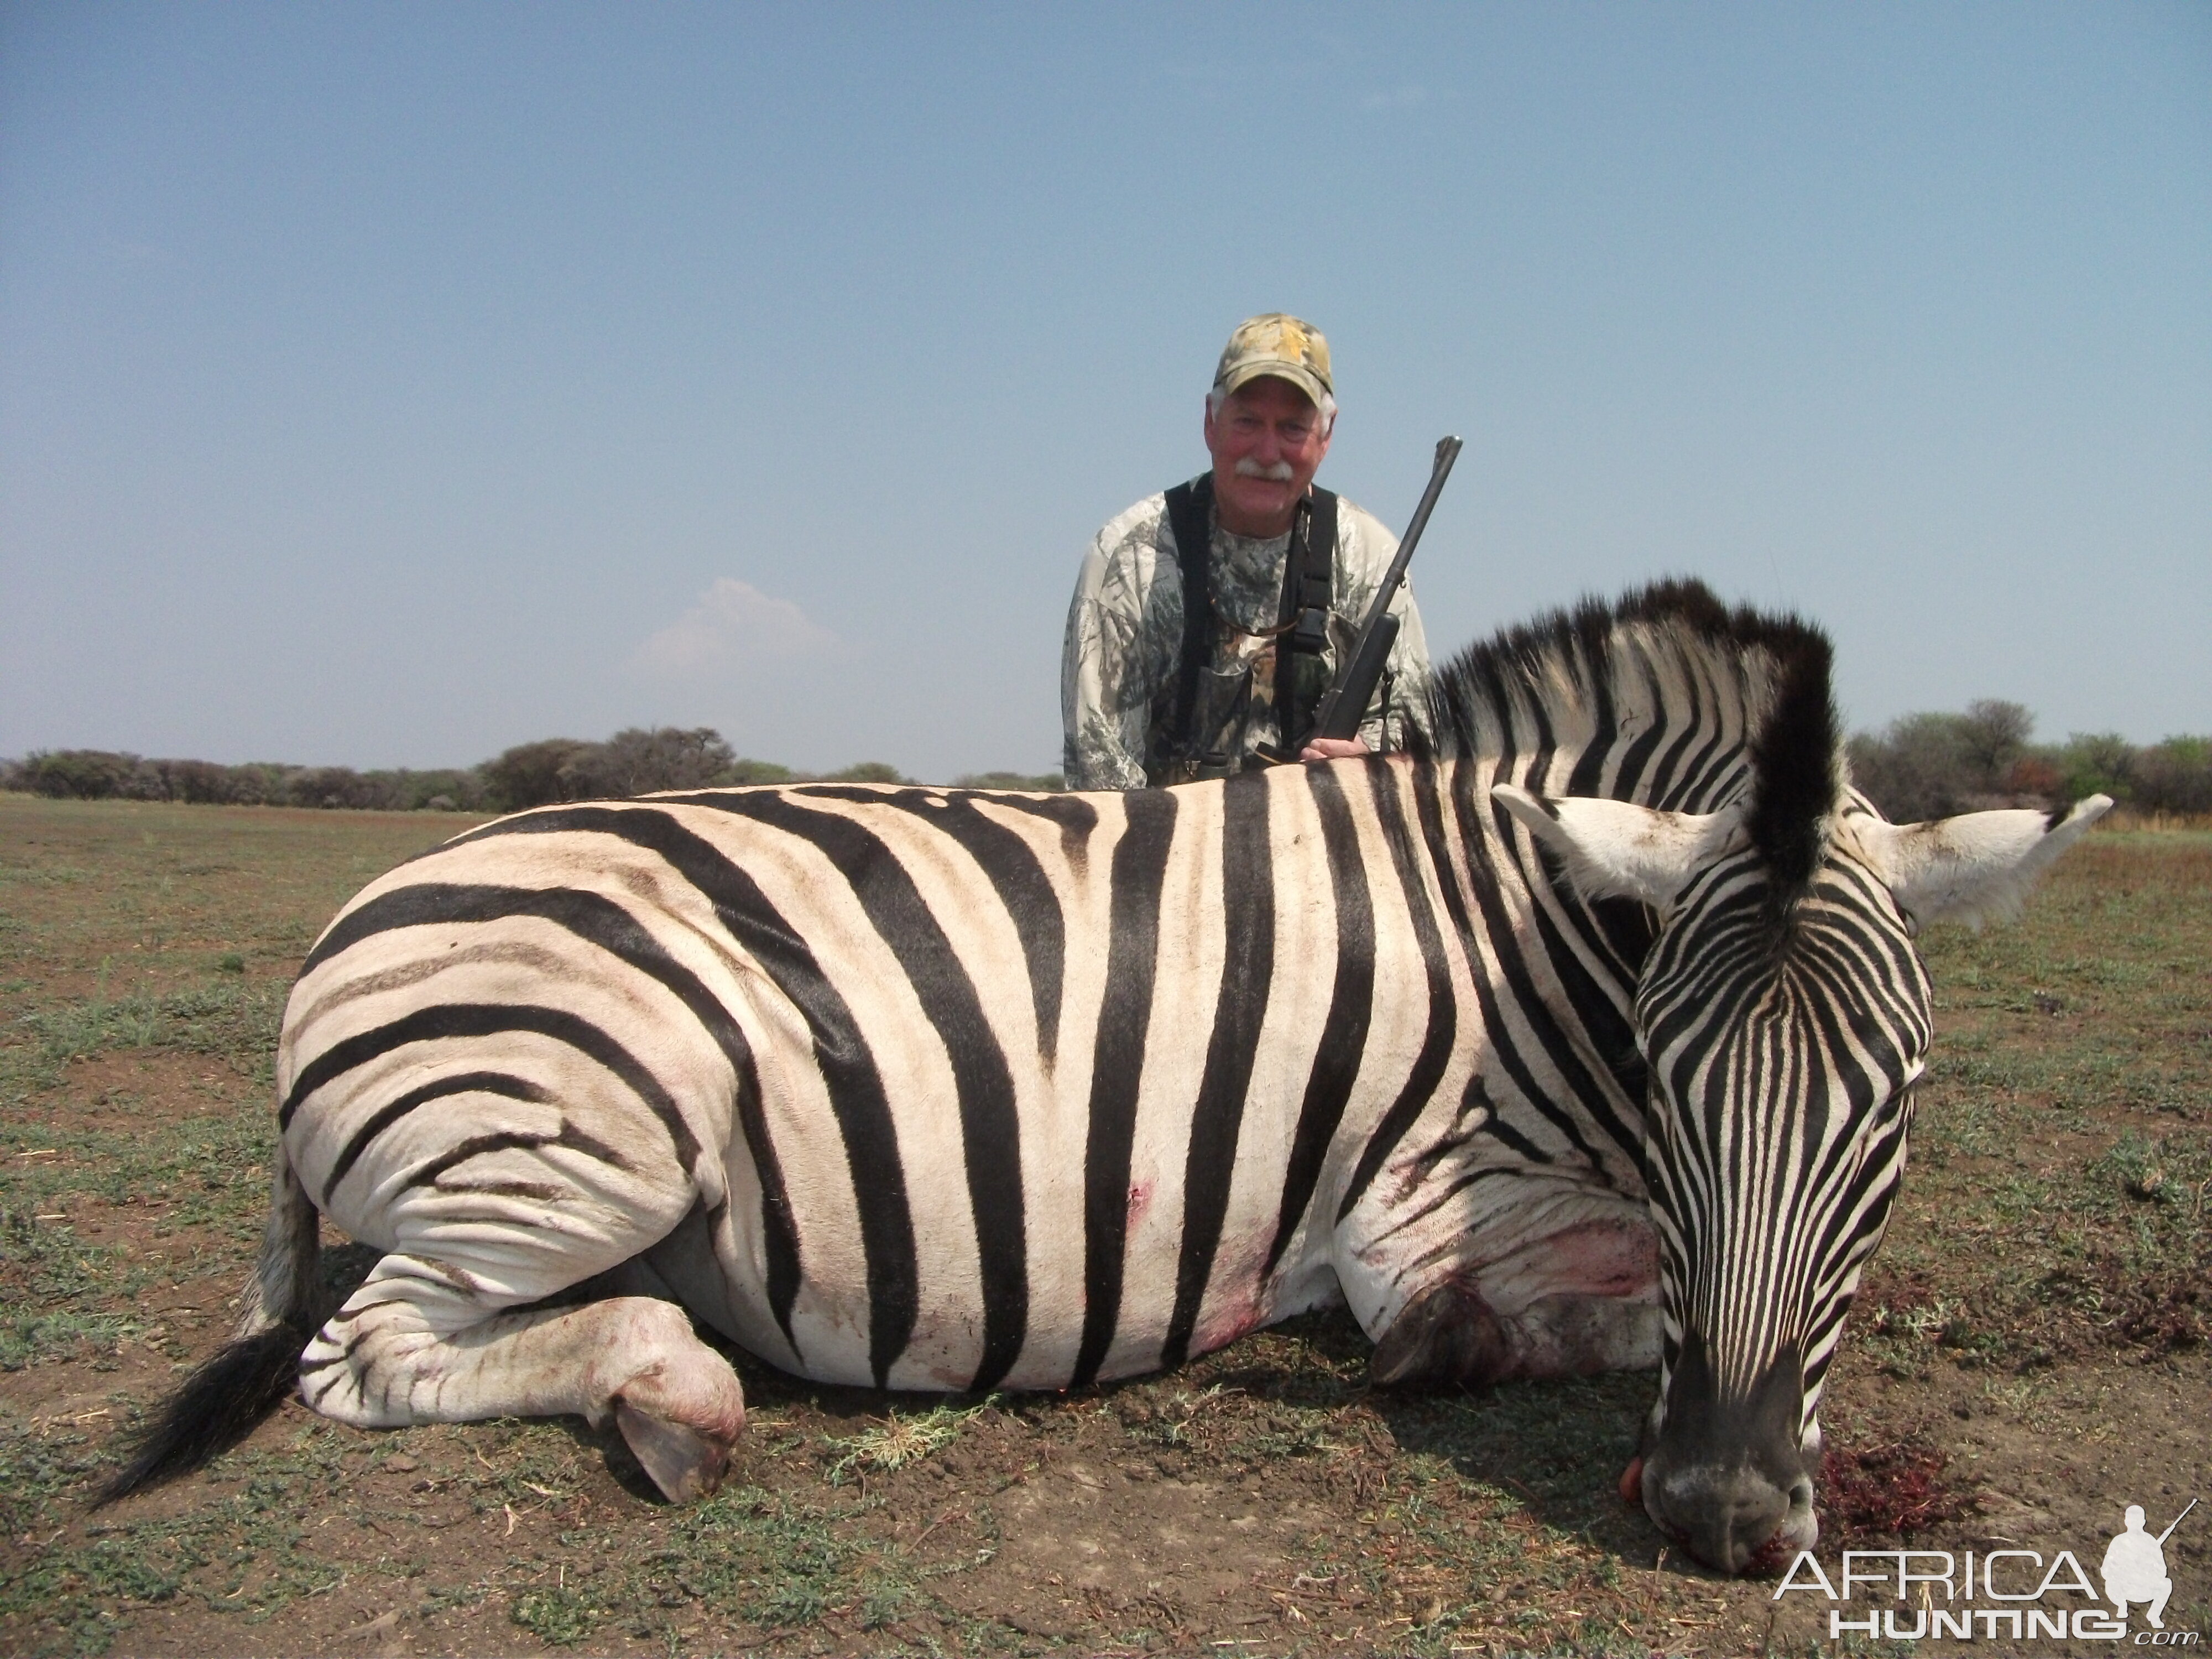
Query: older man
<point>1208,619</point>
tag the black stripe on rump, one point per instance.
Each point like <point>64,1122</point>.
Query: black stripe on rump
<point>990,1127</point>
<point>1428,1069</point>
<point>461,1083</point>
<point>1140,867</point>
<point>602,922</point>
<point>507,1141</point>
<point>1015,873</point>
<point>855,1089</point>
<point>1351,1009</point>
<point>595,920</point>
<point>1247,961</point>
<point>448,1021</point>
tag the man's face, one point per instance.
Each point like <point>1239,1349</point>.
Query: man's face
<point>1266,443</point>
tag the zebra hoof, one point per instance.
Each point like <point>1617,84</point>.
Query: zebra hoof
<point>683,1463</point>
<point>1445,1334</point>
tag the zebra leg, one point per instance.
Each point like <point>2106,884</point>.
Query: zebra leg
<point>1573,1302</point>
<point>415,1344</point>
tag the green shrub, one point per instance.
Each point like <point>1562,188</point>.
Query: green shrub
<point>2174,776</point>
<point>530,773</point>
<point>1052,781</point>
<point>77,774</point>
<point>2097,763</point>
<point>1931,765</point>
<point>640,760</point>
<point>865,772</point>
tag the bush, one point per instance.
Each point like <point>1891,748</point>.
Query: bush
<point>1052,781</point>
<point>1994,735</point>
<point>77,774</point>
<point>2174,776</point>
<point>341,786</point>
<point>2096,763</point>
<point>753,771</point>
<point>202,782</point>
<point>1927,766</point>
<point>530,773</point>
<point>639,761</point>
<point>448,789</point>
<point>259,783</point>
<point>1915,770</point>
<point>1930,766</point>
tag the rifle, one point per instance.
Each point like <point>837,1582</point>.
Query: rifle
<point>1345,703</point>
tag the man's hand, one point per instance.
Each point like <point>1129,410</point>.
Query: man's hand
<point>1332,749</point>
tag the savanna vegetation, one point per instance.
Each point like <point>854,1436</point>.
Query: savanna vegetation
<point>1920,766</point>
<point>634,762</point>
<point>1929,766</point>
<point>2027,1354</point>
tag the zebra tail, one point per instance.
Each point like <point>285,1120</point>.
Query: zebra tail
<point>222,1401</point>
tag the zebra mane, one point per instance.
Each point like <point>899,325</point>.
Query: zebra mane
<point>1582,687</point>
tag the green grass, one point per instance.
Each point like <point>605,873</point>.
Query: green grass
<point>238,1553</point>
<point>221,1017</point>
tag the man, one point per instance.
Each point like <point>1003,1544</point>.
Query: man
<point>1208,620</point>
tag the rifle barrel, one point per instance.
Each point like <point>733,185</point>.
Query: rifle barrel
<point>1447,452</point>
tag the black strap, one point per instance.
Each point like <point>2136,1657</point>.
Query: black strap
<point>1190,516</point>
<point>1308,588</point>
<point>1309,573</point>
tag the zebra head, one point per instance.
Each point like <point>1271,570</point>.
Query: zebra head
<point>1783,1015</point>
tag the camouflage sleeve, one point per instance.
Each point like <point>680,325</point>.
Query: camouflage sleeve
<point>1364,550</point>
<point>1108,671</point>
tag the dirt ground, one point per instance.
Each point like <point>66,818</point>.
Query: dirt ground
<point>2027,1356</point>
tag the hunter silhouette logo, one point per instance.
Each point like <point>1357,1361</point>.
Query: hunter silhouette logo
<point>2135,1566</point>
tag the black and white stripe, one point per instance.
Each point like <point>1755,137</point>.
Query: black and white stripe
<point>946,1089</point>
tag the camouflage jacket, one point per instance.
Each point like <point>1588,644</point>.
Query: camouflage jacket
<point>1124,645</point>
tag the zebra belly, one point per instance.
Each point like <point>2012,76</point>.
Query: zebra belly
<point>830,1316</point>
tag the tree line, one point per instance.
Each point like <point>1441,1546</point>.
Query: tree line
<point>1920,766</point>
<point>1929,766</point>
<point>635,762</point>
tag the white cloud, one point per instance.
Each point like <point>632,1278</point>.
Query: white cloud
<point>733,625</point>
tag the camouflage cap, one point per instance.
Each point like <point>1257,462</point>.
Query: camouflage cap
<point>1279,345</point>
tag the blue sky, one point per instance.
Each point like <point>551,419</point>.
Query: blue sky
<point>387,383</point>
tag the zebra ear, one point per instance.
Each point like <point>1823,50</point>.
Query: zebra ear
<point>1613,848</point>
<point>1976,867</point>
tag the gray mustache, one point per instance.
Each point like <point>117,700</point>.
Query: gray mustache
<point>1278,473</point>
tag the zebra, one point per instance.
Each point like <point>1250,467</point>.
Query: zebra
<point>1582,1039</point>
